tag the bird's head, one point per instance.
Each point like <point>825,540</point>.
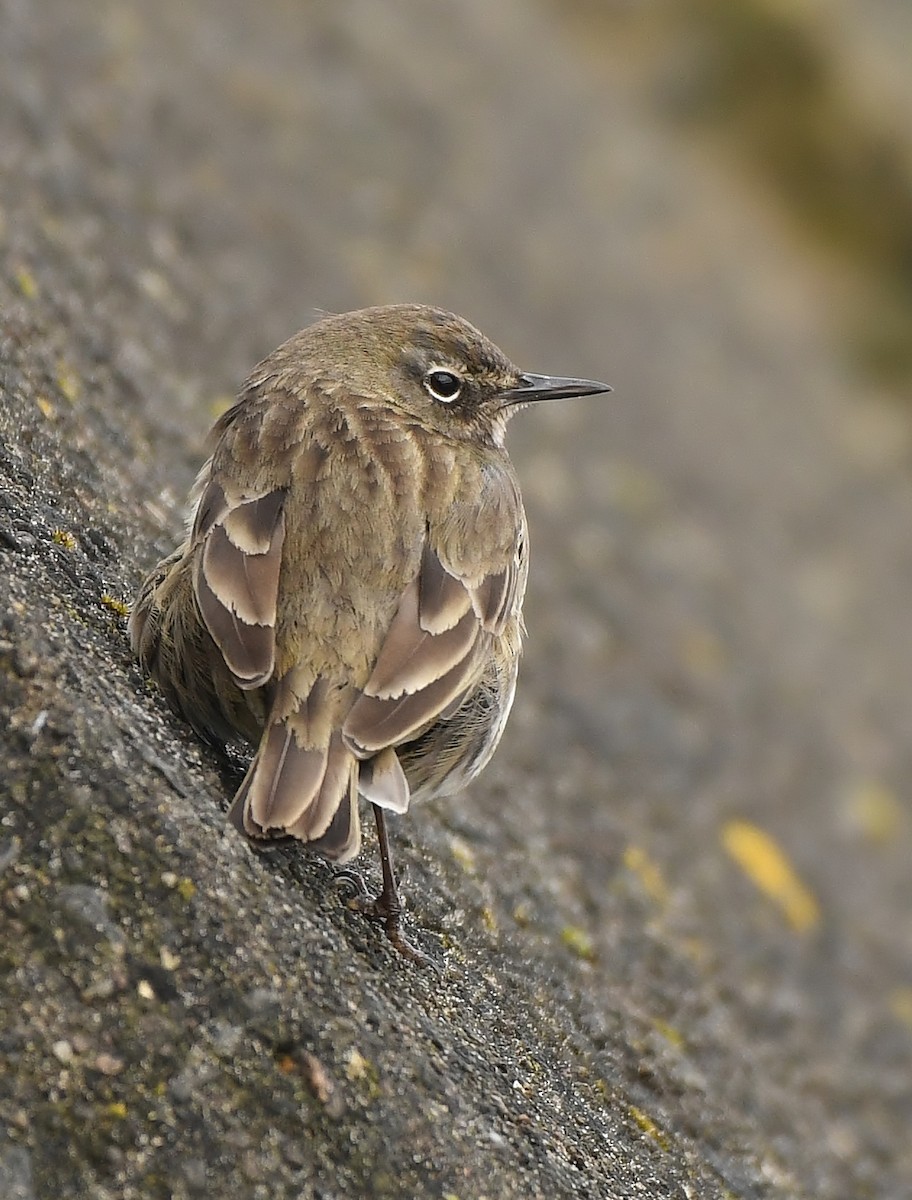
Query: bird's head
<point>430,364</point>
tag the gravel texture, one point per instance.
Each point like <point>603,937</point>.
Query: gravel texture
<point>672,920</point>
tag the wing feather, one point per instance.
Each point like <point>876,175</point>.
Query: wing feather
<point>236,577</point>
<point>443,598</point>
<point>372,724</point>
<point>431,656</point>
<point>493,597</point>
<point>411,656</point>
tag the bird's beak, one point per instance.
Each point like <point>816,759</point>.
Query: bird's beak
<point>549,387</point>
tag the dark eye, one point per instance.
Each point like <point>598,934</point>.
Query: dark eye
<point>443,385</point>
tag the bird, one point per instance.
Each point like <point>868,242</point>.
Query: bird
<point>348,596</point>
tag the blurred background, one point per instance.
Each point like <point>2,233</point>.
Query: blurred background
<point>708,203</point>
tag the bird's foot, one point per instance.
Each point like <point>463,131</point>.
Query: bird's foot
<point>347,879</point>
<point>382,907</point>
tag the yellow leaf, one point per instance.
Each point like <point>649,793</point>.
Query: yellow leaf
<point>767,867</point>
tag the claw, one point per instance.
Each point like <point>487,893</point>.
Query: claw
<point>348,879</point>
<point>385,907</point>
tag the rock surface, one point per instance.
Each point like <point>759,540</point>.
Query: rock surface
<point>673,917</point>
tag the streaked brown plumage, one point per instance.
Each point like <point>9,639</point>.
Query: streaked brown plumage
<point>349,596</point>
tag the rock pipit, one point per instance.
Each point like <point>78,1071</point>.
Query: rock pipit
<point>349,595</point>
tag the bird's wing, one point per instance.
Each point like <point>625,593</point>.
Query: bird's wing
<point>434,650</point>
<point>236,576</point>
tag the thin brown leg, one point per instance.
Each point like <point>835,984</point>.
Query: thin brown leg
<point>388,906</point>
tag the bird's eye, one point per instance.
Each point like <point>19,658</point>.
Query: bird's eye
<point>443,385</point>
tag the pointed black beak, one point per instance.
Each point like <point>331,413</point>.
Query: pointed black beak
<point>550,387</point>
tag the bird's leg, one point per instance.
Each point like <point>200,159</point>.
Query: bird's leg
<point>387,907</point>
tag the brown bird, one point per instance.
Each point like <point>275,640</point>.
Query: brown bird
<point>349,596</point>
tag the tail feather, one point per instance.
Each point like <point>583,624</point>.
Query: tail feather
<point>383,782</point>
<point>284,780</point>
<point>342,840</point>
<point>306,793</point>
<point>335,785</point>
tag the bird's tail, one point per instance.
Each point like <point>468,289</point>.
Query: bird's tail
<point>293,792</point>
<point>303,781</point>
